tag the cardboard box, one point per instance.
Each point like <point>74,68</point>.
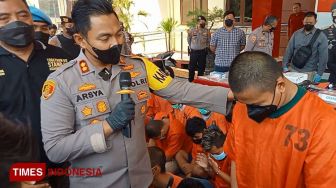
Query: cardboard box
<point>182,73</point>
<point>296,77</point>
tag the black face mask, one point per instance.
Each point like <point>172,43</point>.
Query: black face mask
<point>109,56</point>
<point>70,30</point>
<point>308,27</point>
<point>260,113</point>
<point>228,22</point>
<point>197,141</point>
<point>202,25</point>
<point>43,37</point>
<point>17,34</point>
<point>334,19</point>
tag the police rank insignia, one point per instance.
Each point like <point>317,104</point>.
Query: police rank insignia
<point>84,66</point>
<point>87,111</point>
<point>101,106</point>
<point>48,89</point>
<point>127,67</point>
<point>142,95</point>
<point>2,72</point>
<point>87,87</point>
<point>253,38</point>
<point>135,74</point>
<point>122,61</point>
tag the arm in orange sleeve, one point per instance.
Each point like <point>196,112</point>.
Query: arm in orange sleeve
<point>320,163</point>
<point>229,145</point>
<point>174,145</point>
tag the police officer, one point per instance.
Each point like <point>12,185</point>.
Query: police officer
<point>23,69</point>
<point>198,40</point>
<point>261,39</point>
<point>65,39</point>
<point>331,35</point>
<point>41,24</point>
<point>83,115</point>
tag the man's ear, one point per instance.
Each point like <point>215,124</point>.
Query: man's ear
<point>80,40</point>
<point>281,84</point>
<point>156,170</point>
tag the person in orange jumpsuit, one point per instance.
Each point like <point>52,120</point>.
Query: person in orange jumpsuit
<point>183,112</point>
<point>216,164</point>
<point>162,179</point>
<point>157,104</point>
<point>186,161</point>
<point>215,118</point>
<point>168,134</point>
<point>281,135</point>
<point>295,21</point>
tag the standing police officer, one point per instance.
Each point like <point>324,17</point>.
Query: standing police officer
<point>82,115</point>
<point>42,24</point>
<point>65,39</point>
<point>261,39</point>
<point>331,35</point>
<point>23,69</point>
<point>198,40</point>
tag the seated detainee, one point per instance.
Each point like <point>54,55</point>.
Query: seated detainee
<point>168,134</point>
<point>213,117</point>
<point>190,182</point>
<point>161,178</point>
<point>186,161</point>
<point>156,104</point>
<point>183,112</point>
<point>217,164</point>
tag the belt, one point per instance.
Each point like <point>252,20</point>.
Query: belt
<point>198,50</point>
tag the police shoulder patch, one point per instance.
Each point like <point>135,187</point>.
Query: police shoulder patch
<point>157,79</point>
<point>48,89</point>
<point>253,38</point>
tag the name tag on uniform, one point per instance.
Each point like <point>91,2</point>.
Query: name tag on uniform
<point>89,95</point>
<point>54,63</point>
<point>2,72</point>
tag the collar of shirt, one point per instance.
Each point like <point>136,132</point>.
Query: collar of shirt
<point>310,32</point>
<point>233,28</point>
<point>82,58</point>
<point>37,46</point>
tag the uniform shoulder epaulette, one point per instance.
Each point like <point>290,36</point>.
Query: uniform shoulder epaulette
<point>64,67</point>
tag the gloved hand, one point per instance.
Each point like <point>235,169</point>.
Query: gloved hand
<point>317,78</point>
<point>285,69</point>
<point>121,115</point>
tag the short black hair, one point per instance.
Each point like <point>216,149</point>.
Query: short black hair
<point>229,12</point>
<point>153,128</point>
<point>200,17</point>
<point>311,14</point>
<point>195,125</point>
<point>190,182</point>
<point>254,69</point>
<point>213,136</point>
<point>84,9</point>
<point>270,19</point>
<point>53,26</point>
<point>297,4</point>
<point>157,157</point>
<point>17,145</point>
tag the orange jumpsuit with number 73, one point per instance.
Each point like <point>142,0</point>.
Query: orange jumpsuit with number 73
<point>294,148</point>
